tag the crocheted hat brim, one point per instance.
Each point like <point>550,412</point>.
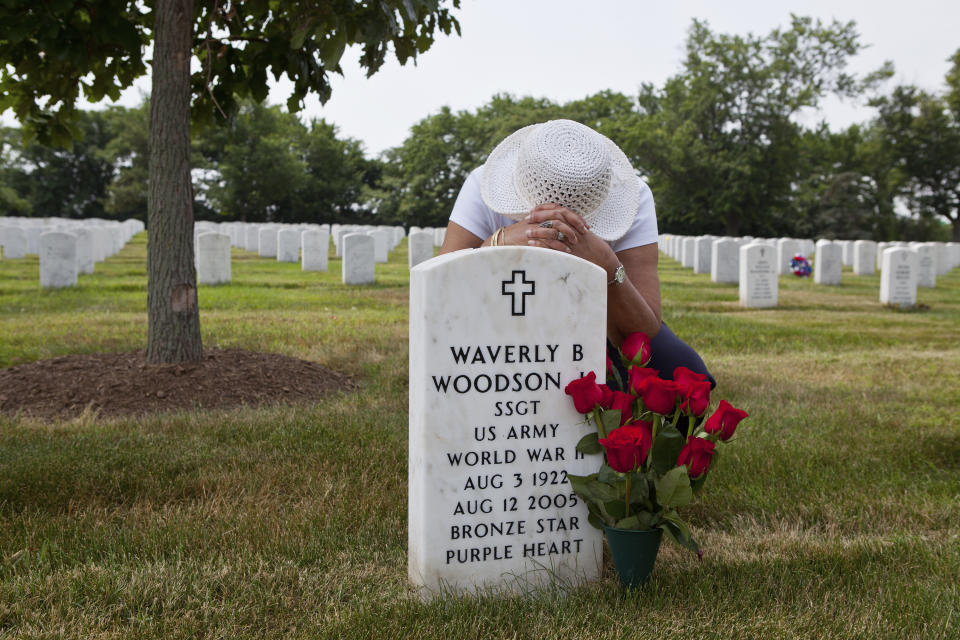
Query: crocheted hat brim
<point>610,219</point>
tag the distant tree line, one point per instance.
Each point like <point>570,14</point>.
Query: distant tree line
<point>721,144</point>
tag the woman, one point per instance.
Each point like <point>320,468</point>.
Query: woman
<point>563,186</point>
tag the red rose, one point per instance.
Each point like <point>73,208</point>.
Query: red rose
<point>627,446</point>
<point>642,430</point>
<point>684,376</point>
<point>586,393</point>
<point>696,455</point>
<point>606,396</point>
<point>694,389</point>
<point>724,420</point>
<point>609,365</point>
<point>697,398</point>
<point>659,395</point>
<point>636,348</point>
<point>623,402</point>
<point>638,375</point>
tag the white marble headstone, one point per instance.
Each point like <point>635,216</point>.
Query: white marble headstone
<point>495,336</point>
<point>419,247</point>
<point>926,264</point>
<point>84,249</point>
<point>32,234</point>
<point>316,249</point>
<point>702,252</point>
<point>688,249</point>
<point>58,259</point>
<point>213,258</point>
<point>251,238</point>
<point>787,248</point>
<point>288,245</point>
<point>758,275</point>
<point>14,242</point>
<point>828,263</point>
<point>267,245</point>
<point>898,277</point>
<point>358,262</point>
<point>864,257</point>
<point>725,261</point>
<point>381,245</point>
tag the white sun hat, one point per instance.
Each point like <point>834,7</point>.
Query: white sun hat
<point>568,163</point>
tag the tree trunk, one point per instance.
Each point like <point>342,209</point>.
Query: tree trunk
<point>173,333</point>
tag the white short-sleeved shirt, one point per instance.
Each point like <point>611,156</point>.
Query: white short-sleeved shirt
<point>471,213</point>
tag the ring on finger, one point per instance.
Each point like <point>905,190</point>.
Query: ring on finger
<point>561,236</point>
<point>547,224</point>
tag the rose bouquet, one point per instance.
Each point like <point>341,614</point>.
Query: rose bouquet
<point>657,449</point>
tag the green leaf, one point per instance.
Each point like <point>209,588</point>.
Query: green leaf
<point>610,419</point>
<point>615,508</point>
<point>631,522</point>
<point>299,36</point>
<point>591,489</point>
<point>673,488</point>
<point>678,530</point>
<point>666,448</point>
<point>331,49</point>
<point>608,475</point>
<point>588,444</point>
<point>645,518</point>
<point>595,521</point>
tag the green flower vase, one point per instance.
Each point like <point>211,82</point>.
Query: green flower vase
<point>634,552</point>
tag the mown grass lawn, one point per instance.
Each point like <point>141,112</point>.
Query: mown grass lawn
<point>835,514</point>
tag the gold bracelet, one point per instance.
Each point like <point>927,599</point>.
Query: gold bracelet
<point>497,238</point>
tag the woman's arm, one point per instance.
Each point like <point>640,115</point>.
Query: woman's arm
<point>634,304</point>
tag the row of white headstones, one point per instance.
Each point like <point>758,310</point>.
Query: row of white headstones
<point>756,263</point>
<point>66,248</point>
<point>360,247</point>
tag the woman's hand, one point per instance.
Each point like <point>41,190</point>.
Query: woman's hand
<point>568,232</point>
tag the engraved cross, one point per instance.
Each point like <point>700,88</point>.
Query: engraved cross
<point>523,288</point>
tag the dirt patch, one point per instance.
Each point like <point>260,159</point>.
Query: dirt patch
<point>123,384</point>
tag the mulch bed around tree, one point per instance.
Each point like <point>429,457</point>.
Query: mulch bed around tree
<point>122,384</point>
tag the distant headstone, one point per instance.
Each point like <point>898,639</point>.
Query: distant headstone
<point>787,248</point>
<point>288,245</point>
<point>251,238</point>
<point>864,257</point>
<point>381,245</point>
<point>944,262</point>
<point>316,249</point>
<point>58,259</point>
<point>419,247</point>
<point>926,264</point>
<point>898,277</point>
<point>758,275</point>
<point>267,247</point>
<point>358,262</point>
<point>881,247</point>
<point>702,254</point>
<point>828,264</point>
<point>84,249</point>
<point>213,258</point>
<point>495,336</point>
<point>438,236</point>
<point>688,252</point>
<point>847,246</point>
<point>14,242</point>
<point>725,261</point>
<point>32,234</point>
